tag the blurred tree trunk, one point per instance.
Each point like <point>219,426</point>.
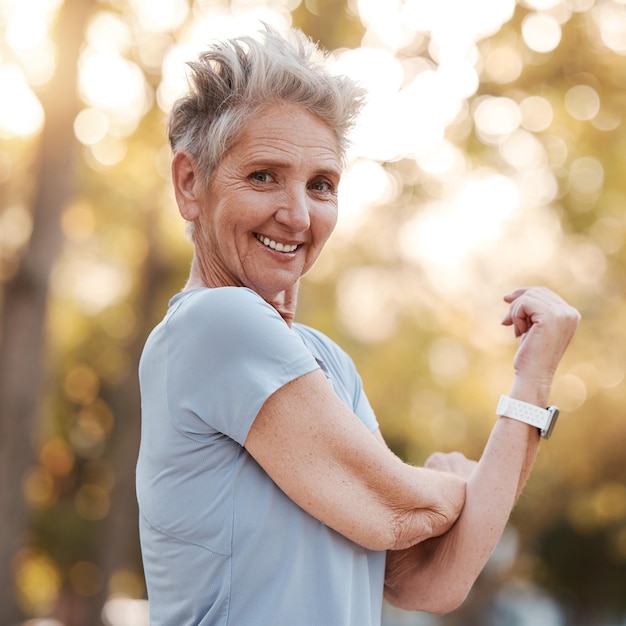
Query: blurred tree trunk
<point>24,301</point>
<point>119,538</point>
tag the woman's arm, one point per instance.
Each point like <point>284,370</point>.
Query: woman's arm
<point>437,574</point>
<point>324,458</point>
<point>321,455</point>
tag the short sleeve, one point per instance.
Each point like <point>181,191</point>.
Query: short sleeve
<point>227,352</point>
<point>341,372</point>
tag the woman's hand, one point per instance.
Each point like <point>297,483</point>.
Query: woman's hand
<point>546,324</point>
<point>451,462</point>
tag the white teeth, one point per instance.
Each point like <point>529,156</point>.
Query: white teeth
<point>279,247</point>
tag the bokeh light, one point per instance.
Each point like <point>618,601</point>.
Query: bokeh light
<point>453,218</point>
<point>537,113</point>
<point>541,32</point>
<point>448,361</point>
<point>124,611</point>
<point>21,115</point>
<point>410,105</point>
<point>610,19</point>
<point>364,295</point>
<point>586,176</point>
<point>496,119</point>
<point>582,102</point>
<point>38,580</point>
<point>502,65</point>
<point>27,36</point>
<point>470,218</point>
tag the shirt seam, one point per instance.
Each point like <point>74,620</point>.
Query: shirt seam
<point>218,551</point>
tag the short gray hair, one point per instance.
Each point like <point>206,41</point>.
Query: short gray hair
<point>237,78</point>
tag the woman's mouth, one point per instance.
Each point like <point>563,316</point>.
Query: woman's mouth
<point>275,245</point>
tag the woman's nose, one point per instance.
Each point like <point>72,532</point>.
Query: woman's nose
<point>293,211</point>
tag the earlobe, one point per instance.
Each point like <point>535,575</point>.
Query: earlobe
<point>185,186</point>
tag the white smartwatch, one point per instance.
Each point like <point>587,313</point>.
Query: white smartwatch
<point>543,419</point>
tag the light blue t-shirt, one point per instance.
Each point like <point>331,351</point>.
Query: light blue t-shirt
<point>222,545</point>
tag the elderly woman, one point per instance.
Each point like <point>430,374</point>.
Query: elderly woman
<point>267,495</point>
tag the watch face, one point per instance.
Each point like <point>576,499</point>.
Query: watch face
<point>554,414</point>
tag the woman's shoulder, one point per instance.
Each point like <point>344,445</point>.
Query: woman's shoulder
<point>213,296</point>
<point>230,303</point>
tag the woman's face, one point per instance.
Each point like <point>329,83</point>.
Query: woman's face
<point>271,204</point>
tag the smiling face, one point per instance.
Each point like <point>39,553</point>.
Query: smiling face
<point>271,204</point>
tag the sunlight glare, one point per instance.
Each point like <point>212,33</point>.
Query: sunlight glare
<point>459,79</point>
<point>445,232</point>
<point>364,183</point>
<point>217,23</point>
<point>378,71</point>
<point>111,82</point>
<point>162,16</point>
<point>21,115</point>
<point>384,24</point>
<point>382,76</point>
<point>446,163</point>
<point>107,33</point>
<point>472,20</point>
<point>27,26</point>
<point>542,5</point>
<point>425,108</point>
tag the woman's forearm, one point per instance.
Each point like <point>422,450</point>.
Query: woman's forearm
<point>437,574</point>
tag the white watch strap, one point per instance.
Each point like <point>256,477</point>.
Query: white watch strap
<point>524,412</point>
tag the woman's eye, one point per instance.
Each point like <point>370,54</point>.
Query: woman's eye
<point>260,177</point>
<point>322,185</point>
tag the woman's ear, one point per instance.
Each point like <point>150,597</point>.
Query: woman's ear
<point>186,185</point>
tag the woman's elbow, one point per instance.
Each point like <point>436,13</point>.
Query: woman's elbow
<point>439,602</point>
<point>450,602</point>
<point>377,533</point>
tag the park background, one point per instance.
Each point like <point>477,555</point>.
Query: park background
<point>491,155</point>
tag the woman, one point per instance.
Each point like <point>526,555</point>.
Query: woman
<point>266,493</point>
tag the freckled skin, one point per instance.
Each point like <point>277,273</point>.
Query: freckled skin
<point>280,181</point>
